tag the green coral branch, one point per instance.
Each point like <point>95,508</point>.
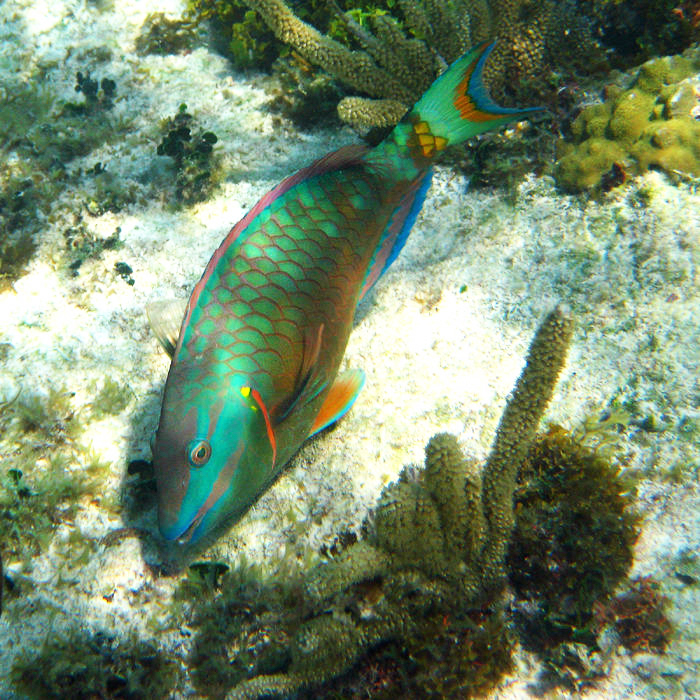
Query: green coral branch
<point>516,432</point>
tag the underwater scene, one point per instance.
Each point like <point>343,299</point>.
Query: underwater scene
<point>349,349</point>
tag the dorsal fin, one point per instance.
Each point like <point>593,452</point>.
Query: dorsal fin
<point>397,230</point>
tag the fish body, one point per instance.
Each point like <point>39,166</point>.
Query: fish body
<point>254,369</point>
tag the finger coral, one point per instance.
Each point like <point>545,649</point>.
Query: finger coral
<point>398,57</point>
<point>435,549</point>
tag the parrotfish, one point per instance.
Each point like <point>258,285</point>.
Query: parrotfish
<point>256,357</point>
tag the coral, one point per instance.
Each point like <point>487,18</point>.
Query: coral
<point>652,123</point>
<point>432,557</point>
<point>569,550</point>
<point>75,665</point>
<point>394,59</point>
<point>191,150</point>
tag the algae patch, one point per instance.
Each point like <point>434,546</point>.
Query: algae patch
<point>81,667</point>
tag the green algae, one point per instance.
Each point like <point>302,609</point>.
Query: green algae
<point>161,35</point>
<point>249,42</point>
<point>652,123</point>
<point>46,470</point>
<point>40,137</point>
<point>112,398</point>
<point>573,538</point>
<point>82,244</point>
<point>84,666</point>
<point>192,151</point>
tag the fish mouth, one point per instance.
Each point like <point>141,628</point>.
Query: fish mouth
<point>186,536</point>
<point>180,533</point>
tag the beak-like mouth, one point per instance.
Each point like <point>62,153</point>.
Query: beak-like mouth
<point>186,536</point>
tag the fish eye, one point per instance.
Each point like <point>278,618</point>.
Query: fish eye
<point>198,452</point>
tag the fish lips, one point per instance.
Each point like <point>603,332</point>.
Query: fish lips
<point>182,533</point>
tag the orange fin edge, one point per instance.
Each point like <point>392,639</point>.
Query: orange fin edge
<point>340,398</point>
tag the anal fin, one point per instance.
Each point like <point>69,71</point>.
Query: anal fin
<point>340,398</point>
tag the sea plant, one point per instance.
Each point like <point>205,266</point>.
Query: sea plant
<point>573,538</point>
<point>638,616</point>
<point>191,150</point>
<point>162,35</point>
<point>45,470</point>
<point>81,666</point>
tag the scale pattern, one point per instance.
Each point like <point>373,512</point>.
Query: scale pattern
<point>299,266</point>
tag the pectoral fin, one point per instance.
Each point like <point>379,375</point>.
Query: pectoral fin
<point>341,396</point>
<point>311,382</point>
<point>165,318</point>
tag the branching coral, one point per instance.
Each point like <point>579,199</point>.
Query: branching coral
<point>398,60</point>
<point>436,546</point>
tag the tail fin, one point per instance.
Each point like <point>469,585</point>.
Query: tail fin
<point>454,108</point>
<point>457,105</point>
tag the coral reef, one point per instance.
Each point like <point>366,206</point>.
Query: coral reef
<point>651,123</point>
<point>435,547</point>
<point>641,29</point>
<point>391,60</point>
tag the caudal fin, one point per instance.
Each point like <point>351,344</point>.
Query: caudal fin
<point>457,105</point>
<point>454,108</point>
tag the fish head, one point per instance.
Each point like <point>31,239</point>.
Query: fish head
<point>211,458</point>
